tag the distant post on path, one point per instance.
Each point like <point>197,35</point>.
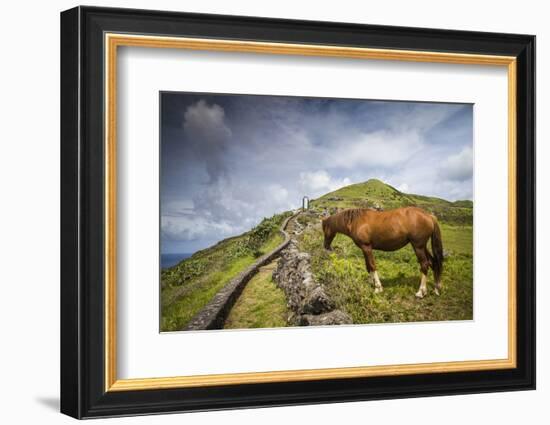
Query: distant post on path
<point>305,203</point>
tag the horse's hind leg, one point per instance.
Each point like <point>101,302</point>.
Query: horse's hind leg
<point>423,257</point>
<point>371,267</point>
<point>430,258</point>
<point>437,288</point>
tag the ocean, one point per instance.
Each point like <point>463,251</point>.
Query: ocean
<point>169,260</point>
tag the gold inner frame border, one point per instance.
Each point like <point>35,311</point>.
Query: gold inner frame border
<point>113,40</point>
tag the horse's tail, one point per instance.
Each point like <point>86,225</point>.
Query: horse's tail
<point>437,250</point>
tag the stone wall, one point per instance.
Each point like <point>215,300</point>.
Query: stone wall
<point>213,315</point>
<point>307,299</point>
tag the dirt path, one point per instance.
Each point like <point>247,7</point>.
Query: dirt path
<point>214,314</point>
<point>261,305</point>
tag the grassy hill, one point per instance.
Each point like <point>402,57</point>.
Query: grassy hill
<point>377,194</point>
<point>345,278</point>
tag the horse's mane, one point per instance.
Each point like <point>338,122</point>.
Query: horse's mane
<point>352,214</point>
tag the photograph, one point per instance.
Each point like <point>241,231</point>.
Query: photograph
<point>286,211</point>
<point>283,211</point>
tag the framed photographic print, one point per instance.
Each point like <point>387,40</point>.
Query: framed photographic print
<point>261,212</point>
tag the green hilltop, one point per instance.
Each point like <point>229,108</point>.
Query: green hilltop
<point>376,194</point>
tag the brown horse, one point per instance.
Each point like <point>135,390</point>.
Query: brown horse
<point>390,231</point>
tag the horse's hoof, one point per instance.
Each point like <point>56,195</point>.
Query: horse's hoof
<point>378,290</point>
<point>436,291</point>
<point>419,295</point>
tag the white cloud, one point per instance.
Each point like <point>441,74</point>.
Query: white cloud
<point>403,188</point>
<point>208,134</point>
<point>377,149</point>
<point>222,209</point>
<point>178,207</point>
<point>316,183</point>
<point>206,122</point>
<point>190,228</point>
<point>277,193</point>
<point>420,117</point>
<point>458,167</point>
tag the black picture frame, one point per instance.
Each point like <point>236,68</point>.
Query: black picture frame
<point>83,392</point>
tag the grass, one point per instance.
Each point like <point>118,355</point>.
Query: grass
<point>261,305</point>
<point>187,287</point>
<point>346,280</point>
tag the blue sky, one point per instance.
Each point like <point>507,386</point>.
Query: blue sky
<point>227,161</point>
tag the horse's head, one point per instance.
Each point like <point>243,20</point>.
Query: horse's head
<point>328,232</point>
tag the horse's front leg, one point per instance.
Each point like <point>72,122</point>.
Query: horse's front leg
<point>371,268</point>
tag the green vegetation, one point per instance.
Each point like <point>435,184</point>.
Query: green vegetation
<point>191,284</point>
<point>261,305</point>
<point>376,194</point>
<point>188,286</point>
<point>346,280</point>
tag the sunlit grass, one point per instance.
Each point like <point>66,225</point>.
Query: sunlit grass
<point>261,305</point>
<point>346,280</point>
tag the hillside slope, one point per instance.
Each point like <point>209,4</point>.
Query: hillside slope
<point>189,285</point>
<point>377,194</point>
